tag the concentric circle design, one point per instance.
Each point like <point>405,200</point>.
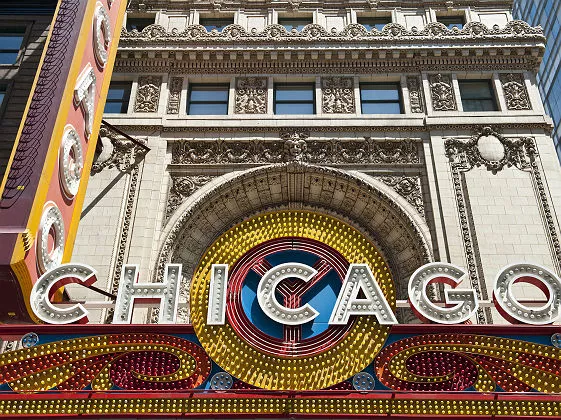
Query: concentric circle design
<point>345,356</point>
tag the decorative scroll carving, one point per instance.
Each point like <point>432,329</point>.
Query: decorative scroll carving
<point>299,148</point>
<point>117,152</point>
<point>516,94</point>
<point>181,188</point>
<point>415,94</point>
<point>174,98</point>
<point>251,95</point>
<point>148,94</point>
<point>409,187</point>
<point>442,93</point>
<point>351,33</point>
<point>338,95</point>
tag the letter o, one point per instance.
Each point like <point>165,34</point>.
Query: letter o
<point>51,219</point>
<point>512,310</point>
<point>70,169</point>
<point>102,34</point>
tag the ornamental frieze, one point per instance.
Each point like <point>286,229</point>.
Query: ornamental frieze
<point>174,98</point>
<point>415,88</point>
<point>338,96</point>
<point>297,147</point>
<point>515,92</point>
<point>514,30</point>
<point>442,92</point>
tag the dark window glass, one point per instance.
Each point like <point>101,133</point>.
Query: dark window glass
<point>208,99</point>
<point>11,40</point>
<point>477,95</point>
<point>380,98</point>
<point>452,21</point>
<point>294,98</point>
<point>118,98</point>
<point>139,23</point>
<point>215,23</point>
<point>374,22</point>
<point>294,23</point>
<point>3,90</point>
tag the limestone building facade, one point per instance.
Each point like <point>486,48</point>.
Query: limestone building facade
<point>419,123</point>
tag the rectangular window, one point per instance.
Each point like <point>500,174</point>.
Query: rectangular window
<point>477,95</point>
<point>118,98</point>
<point>452,21</point>
<point>295,23</point>
<point>11,40</point>
<point>215,23</point>
<point>294,98</point>
<point>208,99</point>
<point>139,23</point>
<point>374,22</point>
<point>381,98</point>
<point>3,91</point>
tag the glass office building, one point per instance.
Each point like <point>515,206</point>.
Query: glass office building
<point>547,13</point>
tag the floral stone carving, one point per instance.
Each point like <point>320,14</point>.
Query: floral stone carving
<point>148,94</point>
<point>442,93</point>
<point>181,188</point>
<point>251,95</point>
<point>516,94</point>
<point>174,98</point>
<point>415,89</point>
<point>337,95</point>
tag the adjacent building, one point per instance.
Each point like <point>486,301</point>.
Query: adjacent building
<point>547,14</point>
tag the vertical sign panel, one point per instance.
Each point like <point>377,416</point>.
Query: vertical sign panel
<point>44,187</point>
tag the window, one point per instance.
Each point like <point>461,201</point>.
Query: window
<point>208,99</point>
<point>139,23</point>
<point>11,40</point>
<point>452,21</point>
<point>118,98</point>
<point>294,23</point>
<point>374,22</point>
<point>3,91</point>
<point>380,98</point>
<point>477,95</point>
<point>215,23</point>
<point>294,98</point>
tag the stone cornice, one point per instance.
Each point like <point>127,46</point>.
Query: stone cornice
<point>396,49</point>
<point>306,5</point>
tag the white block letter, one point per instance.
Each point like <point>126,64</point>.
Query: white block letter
<point>360,278</point>
<point>84,95</point>
<point>216,314</point>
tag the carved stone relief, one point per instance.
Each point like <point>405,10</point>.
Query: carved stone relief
<point>181,188</point>
<point>442,93</point>
<point>409,187</point>
<point>117,152</point>
<point>516,94</point>
<point>174,98</point>
<point>415,94</point>
<point>490,149</point>
<point>297,146</point>
<point>251,95</point>
<point>148,94</point>
<point>338,95</point>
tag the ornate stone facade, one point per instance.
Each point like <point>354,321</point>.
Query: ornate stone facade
<point>148,94</point>
<point>174,98</point>
<point>516,94</point>
<point>337,95</point>
<point>442,93</point>
<point>251,95</point>
<point>415,94</point>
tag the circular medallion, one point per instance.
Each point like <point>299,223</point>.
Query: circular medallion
<point>364,381</point>
<point>269,355</point>
<point>221,381</point>
<point>51,238</point>
<point>29,340</point>
<point>556,340</point>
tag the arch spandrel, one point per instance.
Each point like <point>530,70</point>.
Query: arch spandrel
<point>365,203</point>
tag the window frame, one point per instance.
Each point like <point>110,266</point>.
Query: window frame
<point>297,101</point>
<point>399,100</point>
<point>226,86</point>
<point>4,104</point>
<point>23,46</point>
<point>223,19</point>
<point>386,19</point>
<point>128,101</point>
<point>151,18</point>
<point>309,20</point>
<point>458,16</point>
<point>492,92</point>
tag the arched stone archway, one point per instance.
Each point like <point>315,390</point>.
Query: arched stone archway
<point>376,210</point>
